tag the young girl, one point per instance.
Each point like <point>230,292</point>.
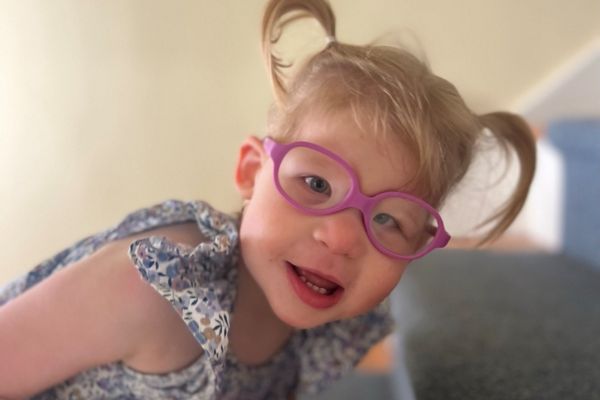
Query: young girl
<point>181,301</point>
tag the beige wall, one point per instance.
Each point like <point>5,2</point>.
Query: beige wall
<point>108,106</point>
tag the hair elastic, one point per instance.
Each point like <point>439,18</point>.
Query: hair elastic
<point>330,39</point>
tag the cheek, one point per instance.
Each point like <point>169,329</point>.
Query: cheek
<point>379,284</point>
<point>263,227</point>
<point>255,232</point>
<point>257,246</point>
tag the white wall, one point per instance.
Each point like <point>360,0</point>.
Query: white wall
<point>571,90</point>
<point>111,105</point>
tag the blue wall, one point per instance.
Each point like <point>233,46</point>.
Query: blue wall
<point>579,143</point>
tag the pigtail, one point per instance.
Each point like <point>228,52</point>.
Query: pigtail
<point>512,132</point>
<point>278,14</point>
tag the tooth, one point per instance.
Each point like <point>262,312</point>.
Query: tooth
<point>312,286</point>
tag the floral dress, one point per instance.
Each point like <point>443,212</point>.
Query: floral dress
<point>200,284</point>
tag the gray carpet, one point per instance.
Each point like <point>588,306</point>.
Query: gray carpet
<point>481,325</point>
<point>357,386</point>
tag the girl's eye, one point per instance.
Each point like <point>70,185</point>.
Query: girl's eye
<point>318,184</point>
<point>386,219</point>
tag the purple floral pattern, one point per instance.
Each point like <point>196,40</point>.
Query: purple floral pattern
<point>171,270</point>
<point>200,284</point>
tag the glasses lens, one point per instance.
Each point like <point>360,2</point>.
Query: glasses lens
<point>312,179</point>
<point>402,226</point>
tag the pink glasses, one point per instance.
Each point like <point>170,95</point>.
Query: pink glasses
<point>317,181</point>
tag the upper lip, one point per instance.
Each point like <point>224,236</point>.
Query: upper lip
<point>319,273</point>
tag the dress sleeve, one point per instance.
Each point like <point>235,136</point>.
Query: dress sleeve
<point>12,289</point>
<point>167,268</point>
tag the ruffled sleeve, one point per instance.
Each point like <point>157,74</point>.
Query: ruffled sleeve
<point>166,268</point>
<point>196,281</point>
<point>328,352</point>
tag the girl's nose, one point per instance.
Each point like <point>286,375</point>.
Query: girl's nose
<point>342,233</point>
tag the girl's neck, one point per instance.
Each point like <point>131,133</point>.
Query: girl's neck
<point>256,332</point>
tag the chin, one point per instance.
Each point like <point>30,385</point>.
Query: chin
<point>296,324</point>
<point>298,320</point>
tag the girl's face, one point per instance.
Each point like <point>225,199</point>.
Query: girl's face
<point>317,269</point>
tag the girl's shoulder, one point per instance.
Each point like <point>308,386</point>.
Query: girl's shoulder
<point>96,311</point>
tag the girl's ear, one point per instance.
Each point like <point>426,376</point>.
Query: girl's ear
<point>250,160</point>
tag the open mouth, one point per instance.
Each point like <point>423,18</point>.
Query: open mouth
<point>313,288</point>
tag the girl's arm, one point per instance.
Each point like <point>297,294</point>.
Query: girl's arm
<point>93,312</point>
<point>78,318</point>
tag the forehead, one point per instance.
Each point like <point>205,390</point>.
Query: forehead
<point>380,162</point>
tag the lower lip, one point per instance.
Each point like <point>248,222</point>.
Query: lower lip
<point>309,296</point>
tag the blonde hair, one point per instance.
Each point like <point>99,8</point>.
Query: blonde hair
<point>392,92</point>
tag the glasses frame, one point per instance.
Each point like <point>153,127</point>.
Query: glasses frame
<point>355,198</point>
